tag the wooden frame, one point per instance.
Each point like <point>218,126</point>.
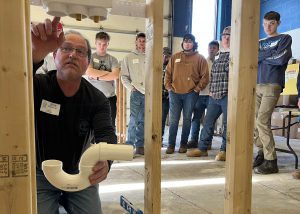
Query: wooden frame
<point>241,100</point>
<point>17,147</point>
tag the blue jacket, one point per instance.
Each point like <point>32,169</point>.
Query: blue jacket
<point>273,56</point>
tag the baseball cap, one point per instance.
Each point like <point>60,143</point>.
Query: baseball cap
<point>189,36</point>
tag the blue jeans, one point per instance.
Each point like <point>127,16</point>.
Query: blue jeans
<point>178,103</point>
<point>165,111</point>
<point>135,133</point>
<point>199,110</point>
<point>214,109</point>
<point>49,198</point>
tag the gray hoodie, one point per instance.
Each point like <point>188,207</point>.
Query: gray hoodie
<point>133,71</point>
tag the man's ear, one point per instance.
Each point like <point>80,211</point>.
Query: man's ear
<point>54,54</point>
<point>279,22</point>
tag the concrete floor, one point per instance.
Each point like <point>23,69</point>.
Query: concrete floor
<point>196,185</point>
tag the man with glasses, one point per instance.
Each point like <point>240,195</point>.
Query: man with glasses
<point>273,56</point>
<point>68,112</point>
<point>103,70</point>
<point>186,75</point>
<point>217,104</point>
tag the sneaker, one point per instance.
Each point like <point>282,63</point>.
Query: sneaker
<point>221,156</point>
<point>267,167</point>
<point>182,148</point>
<point>139,151</point>
<point>259,159</point>
<point>196,153</point>
<point>170,149</point>
<point>192,144</point>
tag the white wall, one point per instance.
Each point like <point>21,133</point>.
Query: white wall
<point>295,34</point>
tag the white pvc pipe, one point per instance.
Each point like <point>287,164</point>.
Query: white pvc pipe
<point>97,152</point>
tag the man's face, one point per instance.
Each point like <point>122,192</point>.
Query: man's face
<point>212,51</point>
<point>270,27</point>
<point>226,39</point>
<point>101,46</point>
<point>140,44</point>
<point>71,59</point>
<point>187,45</point>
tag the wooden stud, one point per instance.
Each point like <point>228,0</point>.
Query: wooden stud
<point>153,105</point>
<point>17,153</point>
<point>241,108</point>
<point>124,113</point>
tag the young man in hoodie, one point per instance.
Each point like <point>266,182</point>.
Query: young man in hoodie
<point>186,75</point>
<point>133,78</point>
<point>273,56</point>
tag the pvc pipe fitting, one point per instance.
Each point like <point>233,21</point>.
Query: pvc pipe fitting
<point>102,151</point>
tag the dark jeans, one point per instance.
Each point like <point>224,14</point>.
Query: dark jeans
<point>113,109</point>
<point>178,103</point>
<point>214,109</point>
<point>165,111</point>
<point>199,110</point>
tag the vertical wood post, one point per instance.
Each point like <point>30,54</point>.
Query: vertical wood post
<point>119,115</point>
<point>124,113</point>
<point>153,105</point>
<point>241,105</point>
<point>17,145</point>
<point>121,112</point>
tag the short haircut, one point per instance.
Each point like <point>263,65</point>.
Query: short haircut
<point>272,15</point>
<point>102,35</point>
<point>215,43</point>
<point>86,40</point>
<point>140,35</point>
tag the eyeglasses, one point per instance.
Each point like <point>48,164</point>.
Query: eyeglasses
<point>81,52</point>
<point>225,34</point>
<point>187,41</point>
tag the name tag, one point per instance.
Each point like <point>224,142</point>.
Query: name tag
<point>135,61</point>
<point>50,108</point>
<point>96,60</point>
<point>177,60</point>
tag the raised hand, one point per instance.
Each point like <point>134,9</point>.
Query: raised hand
<point>45,38</point>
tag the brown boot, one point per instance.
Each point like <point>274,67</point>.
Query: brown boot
<point>139,151</point>
<point>296,174</point>
<point>196,153</point>
<point>221,156</point>
<point>183,148</point>
<point>170,149</point>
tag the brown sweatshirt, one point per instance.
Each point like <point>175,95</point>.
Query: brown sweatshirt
<point>186,72</point>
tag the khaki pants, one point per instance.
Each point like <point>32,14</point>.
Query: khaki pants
<point>267,96</point>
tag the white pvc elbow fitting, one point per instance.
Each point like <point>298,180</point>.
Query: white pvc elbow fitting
<point>102,151</point>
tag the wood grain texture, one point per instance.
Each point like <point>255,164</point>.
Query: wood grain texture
<point>241,108</point>
<point>153,106</point>
<point>17,155</point>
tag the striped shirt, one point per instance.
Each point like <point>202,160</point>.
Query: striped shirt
<point>219,76</point>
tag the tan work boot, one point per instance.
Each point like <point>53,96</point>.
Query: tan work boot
<point>170,149</point>
<point>221,156</point>
<point>196,153</point>
<point>296,174</point>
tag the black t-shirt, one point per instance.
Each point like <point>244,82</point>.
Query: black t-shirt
<point>65,126</point>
